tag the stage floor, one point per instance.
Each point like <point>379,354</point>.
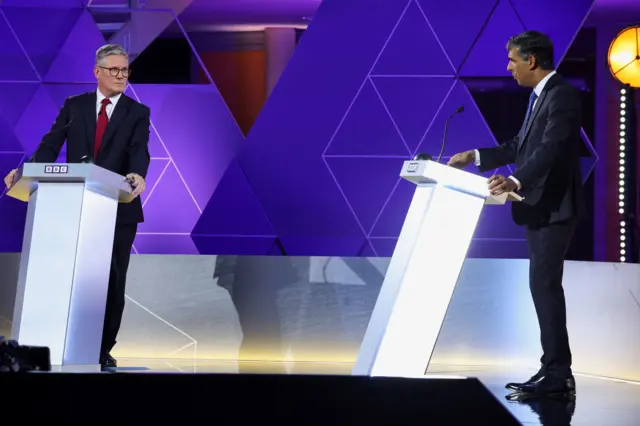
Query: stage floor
<point>599,401</point>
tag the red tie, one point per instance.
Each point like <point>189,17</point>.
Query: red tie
<point>103,120</point>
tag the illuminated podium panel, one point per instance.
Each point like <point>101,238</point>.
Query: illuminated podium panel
<point>66,256</point>
<point>424,269</point>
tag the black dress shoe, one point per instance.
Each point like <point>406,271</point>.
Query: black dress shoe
<point>518,386</point>
<point>550,386</point>
<point>108,363</point>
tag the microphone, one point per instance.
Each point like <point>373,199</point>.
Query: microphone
<point>446,124</point>
<point>87,159</point>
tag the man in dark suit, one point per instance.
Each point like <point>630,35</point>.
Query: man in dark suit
<point>547,175</point>
<point>112,130</point>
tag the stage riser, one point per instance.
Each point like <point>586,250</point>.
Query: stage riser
<point>317,309</point>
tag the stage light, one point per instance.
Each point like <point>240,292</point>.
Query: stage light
<point>624,57</point>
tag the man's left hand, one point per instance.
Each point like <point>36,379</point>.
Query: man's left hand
<point>138,183</point>
<point>499,184</point>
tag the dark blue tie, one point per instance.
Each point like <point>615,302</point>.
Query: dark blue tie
<point>532,100</point>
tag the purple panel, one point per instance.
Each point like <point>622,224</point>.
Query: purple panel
<point>36,120</point>
<point>157,169</point>
<point>457,39</point>
<point>283,153</point>
<point>395,211</point>
<point>367,129</point>
<point>467,130</point>
<point>413,49</point>
<point>384,246</point>
<point>488,57</point>
<point>412,102</point>
<point>233,245</point>
<point>43,3</point>
<point>368,251</point>
<point>156,147</point>
<point>535,16</point>
<point>314,245</point>
<point>76,59</point>
<point>164,244</point>
<point>365,191</point>
<point>15,64</point>
<point>53,27</point>
<point>59,92</point>
<point>14,99</point>
<point>200,147</point>
<point>9,140</point>
<point>234,209</point>
<point>170,209</point>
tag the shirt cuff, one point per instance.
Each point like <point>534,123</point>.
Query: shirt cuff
<point>516,181</point>
<point>477,161</point>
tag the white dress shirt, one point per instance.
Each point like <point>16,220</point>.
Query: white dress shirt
<point>538,90</point>
<point>110,107</point>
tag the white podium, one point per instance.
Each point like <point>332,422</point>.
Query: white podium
<point>424,269</point>
<point>66,258</point>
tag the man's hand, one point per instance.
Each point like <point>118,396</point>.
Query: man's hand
<point>9,180</point>
<point>499,184</point>
<point>138,183</point>
<point>462,159</point>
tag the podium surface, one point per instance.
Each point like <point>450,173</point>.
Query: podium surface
<point>66,257</point>
<point>424,269</point>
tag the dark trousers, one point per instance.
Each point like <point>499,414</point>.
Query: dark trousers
<point>122,243</point>
<point>548,246</point>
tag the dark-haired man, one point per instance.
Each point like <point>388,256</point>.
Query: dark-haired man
<point>547,175</point>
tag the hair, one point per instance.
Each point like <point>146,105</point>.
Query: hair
<point>108,50</point>
<point>536,44</point>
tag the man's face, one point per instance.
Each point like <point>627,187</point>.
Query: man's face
<point>521,70</point>
<point>112,74</point>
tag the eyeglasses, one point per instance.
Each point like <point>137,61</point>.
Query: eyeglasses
<point>113,72</point>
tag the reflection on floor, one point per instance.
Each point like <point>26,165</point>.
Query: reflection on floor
<point>599,401</point>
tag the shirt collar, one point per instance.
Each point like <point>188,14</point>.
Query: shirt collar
<point>542,83</point>
<point>113,99</point>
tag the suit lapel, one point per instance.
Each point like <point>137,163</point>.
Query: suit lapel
<point>551,83</point>
<point>119,112</point>
<point>90,115</point>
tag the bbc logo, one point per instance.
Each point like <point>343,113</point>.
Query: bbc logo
<point>56,169</point>
<point>412,167</point>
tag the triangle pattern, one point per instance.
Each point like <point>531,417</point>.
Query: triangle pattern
<point>367,250</point>
<point>15,65</point>
<point>156,169</point>
<point>53,27</point>
<point>9,140</point>
<point>587,164</point>
<point>488,57</point>
<point>413,102</point>
<point>275,249</point>
<point>36,120</point>
<point>160,209</point>
<point>392,217</point>
<point>156,149</point>
<point>413,49</point>
<point>14,99</point>
<point>234,208</point>
<point>384,246</point>
<point>367,198</point>
<point>535,16</point>
<point>458,39</point>
<point>467,130</point>
<point>69,66</point>
<point>367,129</point>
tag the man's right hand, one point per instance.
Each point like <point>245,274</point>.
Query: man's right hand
<point>462,159</point>
<point>9,180</point>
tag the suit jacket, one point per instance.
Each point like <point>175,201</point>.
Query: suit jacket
<point>547,158</point>
<point>124,147</point>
